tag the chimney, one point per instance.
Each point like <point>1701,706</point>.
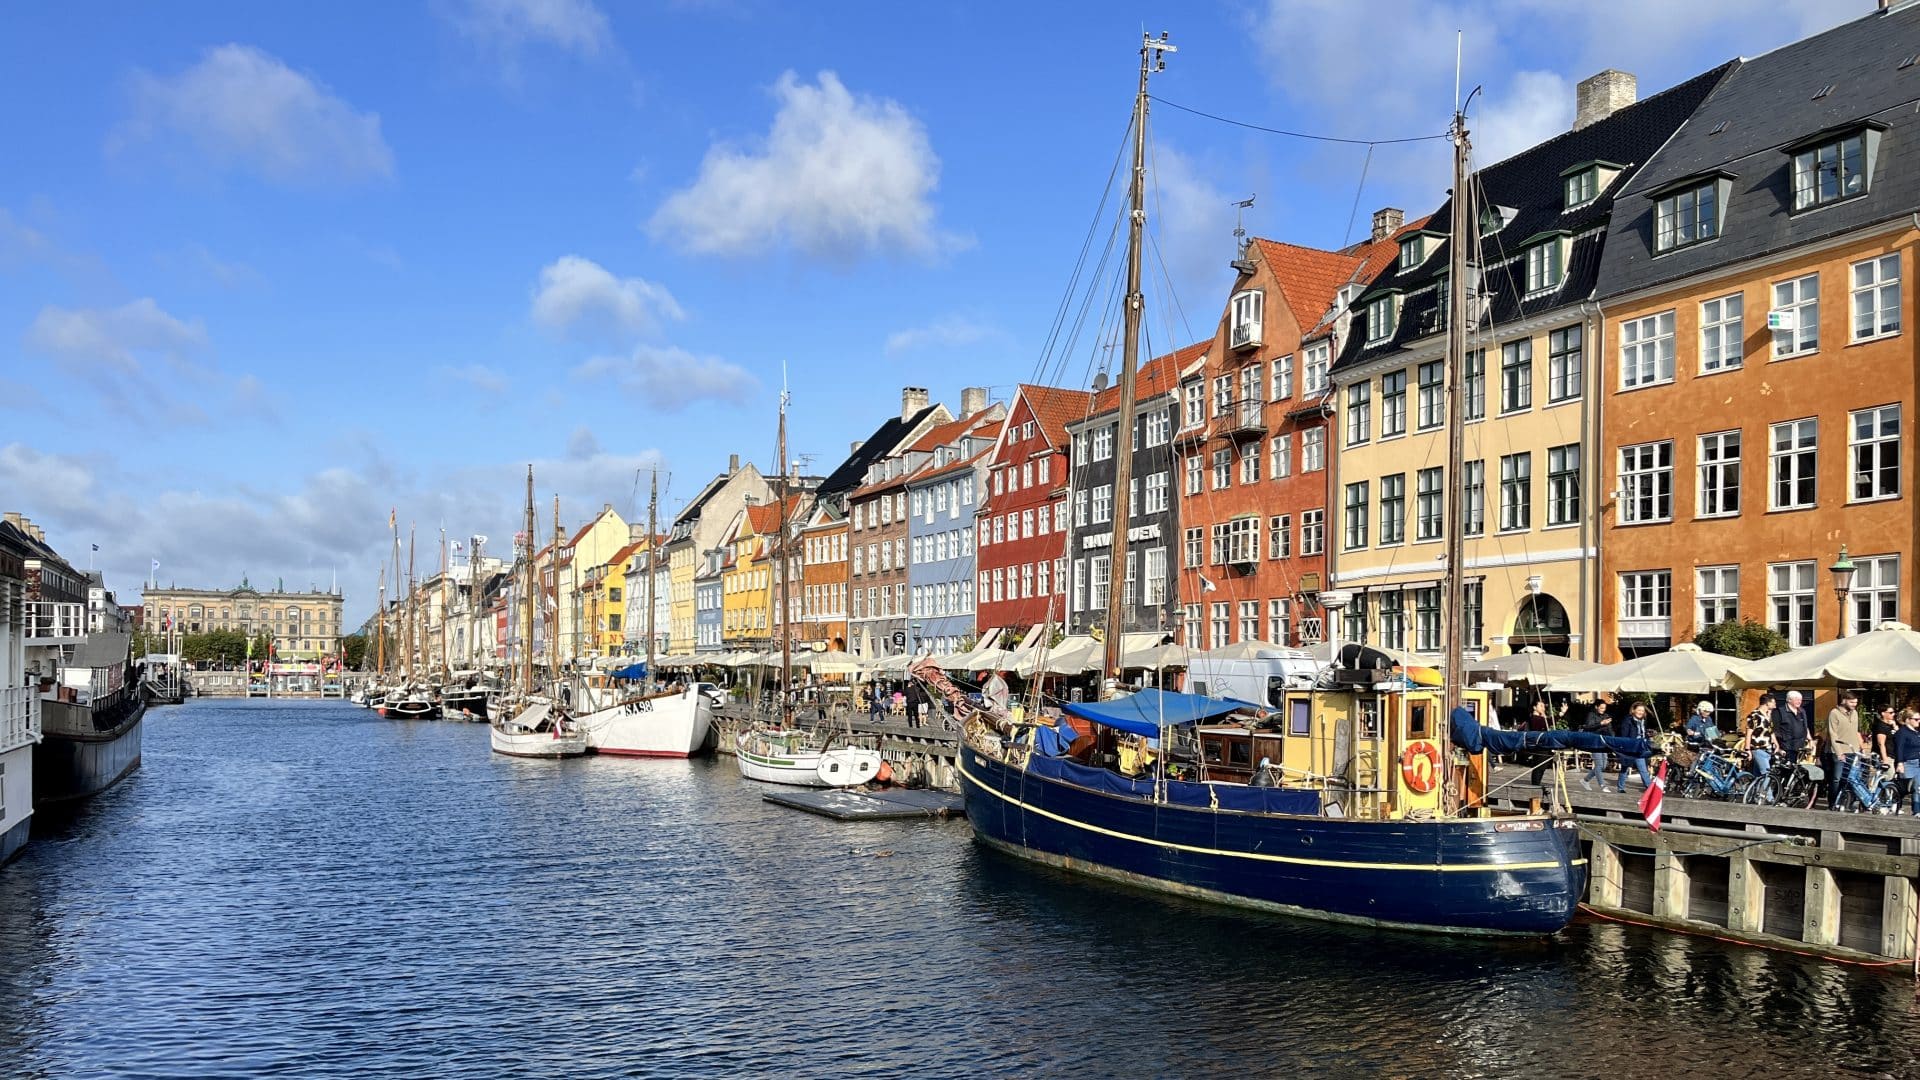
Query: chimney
<point>733,464</point>
<point>912,400</point>
<point>606,508</point>
<point>13,518</point>
<point>972,400</point>
<point>854,446</point>
<point>1386,220</point>
<point>1602,95</point>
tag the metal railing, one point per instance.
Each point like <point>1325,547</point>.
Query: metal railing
<point>19,717</point>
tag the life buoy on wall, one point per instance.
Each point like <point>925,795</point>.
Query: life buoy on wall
<point>1419,778</point>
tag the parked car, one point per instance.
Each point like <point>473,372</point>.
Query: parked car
<point>716,696</point>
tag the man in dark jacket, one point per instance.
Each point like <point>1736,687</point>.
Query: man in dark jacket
<point>1792,727</point>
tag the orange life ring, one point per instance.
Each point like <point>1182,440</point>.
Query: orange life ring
<point>1418,780</point>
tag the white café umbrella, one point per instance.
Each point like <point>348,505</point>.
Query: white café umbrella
<point>1533,666</point>
<point>835,662</point>
<point>1153,654</point>
<point>1684,669</point>
<point>1076,654</point>
<point>1888,654</point>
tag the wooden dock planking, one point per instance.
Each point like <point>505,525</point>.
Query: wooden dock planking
<point>892,804</point>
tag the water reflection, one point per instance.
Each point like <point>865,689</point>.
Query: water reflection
<point>306,888</point>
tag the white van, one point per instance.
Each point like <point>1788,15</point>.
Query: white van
<point>1259,680</point>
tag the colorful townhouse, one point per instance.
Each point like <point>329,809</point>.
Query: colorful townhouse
<point>699,527</point>
<point>942,497</point>
<point>1150,598</point>
<point>823,574</point>
<point>1530,397</point>
<point>591,546</point>
<point>1021,523</point>
<point>1251,437</point>
<point>1758,372</point>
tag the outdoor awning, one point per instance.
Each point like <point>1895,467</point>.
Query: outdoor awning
<point>1533,667</point>
<point>1888,654</point>
<point>835,662</point>
<point>1075,655</point>
<point>1684,669</point>
<point>1150,711</point>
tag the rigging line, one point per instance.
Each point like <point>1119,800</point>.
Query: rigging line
<point>1346,238</point>
<point>1297,134</point>
<point>1050,374</point>
<point>1086,244</point>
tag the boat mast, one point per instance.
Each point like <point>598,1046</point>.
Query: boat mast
<point>380,629</point>
<point>526,599</point>
<point>1461,309</point>
<point>412,607</point>
<point>446,611</point>
<point>1151,59</point>
<point>786,635</point>
<point>553,624</point>
<point>653,554</point>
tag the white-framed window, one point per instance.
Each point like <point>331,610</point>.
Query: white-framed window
<point>1393,508</point>
<point>1159,426</point>
<point>1356,516</point>
<point>1222,468</point>
<point>1566,367</point>
<point>1432,395</point>
<point>1582,187</point>
<point>1798,304</point>
<point>1282,456</point>
<point>1646,350</point>
<point>1876,297</point>
<point>1313,532</point>
<point>1193,403</point>
<point>1792,464</point>
<point>1079,599</point>
<point>1280,536</point>
<point>1102,504</point>
<point>1280,620</point>
<point>1716,593</point>
<point>1473,498</point>
<point>1830,172</point>
<point>1250,455</point>
<point>1080,507</point>
<point>1219,624</point>
<point>1544,266</point>
<point>1222,395</point>
<point>1875,596</point>
<point>1393,404</point>
<point>1718,491</point>
<point>1156,577</point>
<point>1103,442</point>
<point>1359,413</point>
<point>1196,470</point>
<point>1195,547</point>
<point>1721,334</point>
<point>1380,319</point>
<point>1000,530</point>
<point>1156,493</point>
<point>1791,595</point>
<point>1413,251</point>
<point>1516,376</point>
<point>1045,585</point>
<point>1313,376</point>
<point>1646,594</point>
<point>1249,620</point>
<point>1646,483</point>
<point>1099,581</point>
<point>1563,484</point>
<point>1282,386</point>
<point>1313,449</point>
<point>1516,492</point>
<point>1686,217</point>
<point>1248,309</point>
<point>1190,623</point>
<point>1236,541</point>
<point>1874,439</point>
<point>1473,386</point>
<point>1060,516</point>
<point>1429,509</point>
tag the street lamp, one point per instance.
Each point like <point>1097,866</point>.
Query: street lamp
<point>1333,602</point>
<point>1842,571</point>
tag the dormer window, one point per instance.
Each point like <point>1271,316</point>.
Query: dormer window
<point>1248,308</point>
<point>1413,251</point>
<point>1689,212</point>
<point>1546,263</point>
<point>1381,315</point>
<point>1584,182</point>
<point>1833,165</point>
<point>1494,218</point>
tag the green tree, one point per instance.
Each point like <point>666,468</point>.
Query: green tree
<point>1744,640</point>
<point>356,648</point>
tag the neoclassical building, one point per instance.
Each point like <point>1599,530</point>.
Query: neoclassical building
<point>302,624</point>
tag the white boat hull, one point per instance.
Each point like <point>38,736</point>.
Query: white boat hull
<point>535,734</point>
<point>670,725</point>
<point>783,760</point>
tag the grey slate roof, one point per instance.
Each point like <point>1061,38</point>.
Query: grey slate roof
<point>1768,103</point>
<point>853,471</point>
<point>1530,185</point>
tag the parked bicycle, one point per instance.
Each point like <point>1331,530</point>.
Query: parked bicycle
<point>1717,774</point>
<point>1866,785</point>
<point>1789,783</point>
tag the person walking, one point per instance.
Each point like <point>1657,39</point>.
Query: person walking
<point>1906,750</point>
<point>1599,724</point>
<point>1634,726</point>
<point>876,712</point>
<point>1880,733</point>
<point>1843,746</point>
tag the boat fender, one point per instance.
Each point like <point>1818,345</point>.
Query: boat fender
<point>1420,780</point>
<point>885,775</point>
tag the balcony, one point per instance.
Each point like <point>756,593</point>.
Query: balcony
<point>48,623</point>
<point>19,717</point>
<point>1649,629</point>
<point>1245,334</point>
<point>1243,420</point>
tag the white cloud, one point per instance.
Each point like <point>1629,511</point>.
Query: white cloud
<point>948,331</point>
<point>670,378</point>
<point>116,337</point>
<point>578,293</point>
<point>242,108</point>
<point>582,444</point>
<point>1534,107</point>
<point>197,260</point>
<point>837,175</point>
<point>508,25</point>
<point>1192,223</point>
<point>485,379</point>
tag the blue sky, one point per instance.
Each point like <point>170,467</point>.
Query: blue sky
<point>269,270</point>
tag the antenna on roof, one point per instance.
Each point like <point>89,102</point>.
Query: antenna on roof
<point>1240,242</point>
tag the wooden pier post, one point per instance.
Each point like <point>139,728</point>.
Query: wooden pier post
<point>1604,886</point>
<point>1821,911</point>
<point>1670,885</point>
<point>1746,895</point>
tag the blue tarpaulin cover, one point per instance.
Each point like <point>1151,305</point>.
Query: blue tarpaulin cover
<point>1474,738</point>
<point>631,671</point>
<point>1146,712</point>
<point>1241,797</point>
<point>1053,740</point>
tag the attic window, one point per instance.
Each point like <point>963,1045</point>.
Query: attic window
<point>1380,318</point>
<point>1413,251</point>
<point>1546,265</point>
<point>1582,187</point>
<point>1494,218</point>
<point>1689,212</point>
<point>1833,166</point>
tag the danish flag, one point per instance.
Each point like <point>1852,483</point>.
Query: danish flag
<point>1650,801</point>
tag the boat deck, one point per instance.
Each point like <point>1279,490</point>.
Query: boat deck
<point>892,804</point>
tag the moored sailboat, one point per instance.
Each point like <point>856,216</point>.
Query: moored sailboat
<point>538,726</point>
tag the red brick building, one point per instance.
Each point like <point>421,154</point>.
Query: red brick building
<point>1253,446</point>
<point>1022,524</point>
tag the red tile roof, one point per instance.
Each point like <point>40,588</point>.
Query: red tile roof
<point>1310,278</point>
<point>1157,376</point>
<point>765,517</point>
<point>950,467</point>
<point>1054,407</point>
<point>942,434</point>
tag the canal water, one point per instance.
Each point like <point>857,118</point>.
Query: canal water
<point>304,889</point>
